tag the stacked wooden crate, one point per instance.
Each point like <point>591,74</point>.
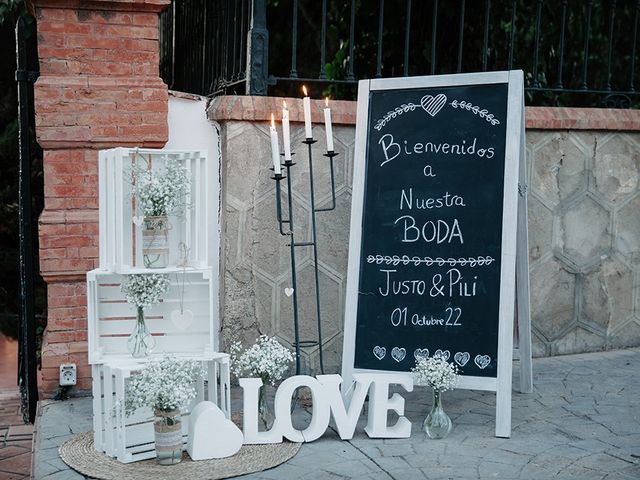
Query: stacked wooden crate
<point>183,324</point>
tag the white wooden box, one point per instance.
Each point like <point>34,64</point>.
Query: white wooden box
<point>130,439</point>
<point>121,238</point>
<point>111,318</point>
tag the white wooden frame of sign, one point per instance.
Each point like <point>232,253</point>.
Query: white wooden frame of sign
<point>514,239</point>
<point>121,237</point>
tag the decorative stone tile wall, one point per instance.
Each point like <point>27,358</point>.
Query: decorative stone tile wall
<point>584,228</point>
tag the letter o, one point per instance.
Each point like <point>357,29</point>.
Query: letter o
<point>321,410</point>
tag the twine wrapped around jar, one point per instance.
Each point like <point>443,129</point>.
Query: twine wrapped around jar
<point>168,436</point>
<point>155,241</point>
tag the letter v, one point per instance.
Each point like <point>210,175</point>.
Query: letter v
<point>346,419</point>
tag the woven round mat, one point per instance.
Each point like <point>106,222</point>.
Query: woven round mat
<point>80,455</point>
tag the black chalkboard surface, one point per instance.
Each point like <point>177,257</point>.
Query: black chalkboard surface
<point>429,274</point>
<point>436,226</point>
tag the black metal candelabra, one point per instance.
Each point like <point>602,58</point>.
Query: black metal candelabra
<point>288,164</point>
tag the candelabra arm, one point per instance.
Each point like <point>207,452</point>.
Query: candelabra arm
<point>278,178</point>
<point>330,155</point>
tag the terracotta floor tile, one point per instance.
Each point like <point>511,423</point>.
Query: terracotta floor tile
<point>17,464</point>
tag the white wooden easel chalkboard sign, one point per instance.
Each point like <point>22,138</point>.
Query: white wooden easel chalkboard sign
<point>438,220</point>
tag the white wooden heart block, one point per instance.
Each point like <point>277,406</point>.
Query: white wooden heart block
<point>211,434</point>
<point>182,319</point>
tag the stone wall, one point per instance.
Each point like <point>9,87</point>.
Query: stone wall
<point>584,227</point>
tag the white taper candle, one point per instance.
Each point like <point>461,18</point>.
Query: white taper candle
<point>306,104</point>
<point>327,126</point>
<point>275,148</point>
<point>286,136</point>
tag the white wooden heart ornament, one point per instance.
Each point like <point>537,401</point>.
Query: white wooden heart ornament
<point>211,434</point>
<point>138,219</point>
<point>398,354</point>
<point>288,291</point>
<point>379,352</point>
<point>182,319</point>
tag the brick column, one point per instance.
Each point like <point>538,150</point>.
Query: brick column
<point>99,87</point>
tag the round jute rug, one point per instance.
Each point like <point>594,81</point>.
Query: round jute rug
<point>80,455</point>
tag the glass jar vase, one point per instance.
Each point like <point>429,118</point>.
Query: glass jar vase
<point>140,343</point>
<point>167,426</point>
<point>155,242</point>
<point>437,424</point>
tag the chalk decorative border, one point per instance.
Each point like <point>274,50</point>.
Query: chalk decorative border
<point>482,113</point>
<point>479,261</point>
<point>404,108</point>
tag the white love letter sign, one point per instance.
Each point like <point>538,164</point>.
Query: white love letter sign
<point>328,400</point>
<point>438,224</point>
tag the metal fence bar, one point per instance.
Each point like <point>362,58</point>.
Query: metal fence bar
<point>28,357</point>
<point>536,47</point>
<point>587,35</point>
<point>612,14</point>
<point>561,47</point>
<point>380,30</point>
<point>407,35</point>
<point>633,48</point>
<point>512,43</point>
<point>209,46</point>
<point>323,41</point>
<point>352,34</point>
<point>461,36</point>
<point>434,33</point>
<point>485,43</point>
<point>293,73</point>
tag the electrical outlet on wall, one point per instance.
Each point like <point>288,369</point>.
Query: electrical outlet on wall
<point>67,374</point>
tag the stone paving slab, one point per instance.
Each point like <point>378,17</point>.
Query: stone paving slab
<point>582,422</point>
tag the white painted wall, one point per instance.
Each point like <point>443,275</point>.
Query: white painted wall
<point>189,129</point>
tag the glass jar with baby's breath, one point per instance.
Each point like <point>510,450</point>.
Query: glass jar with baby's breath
<point>440,375</point>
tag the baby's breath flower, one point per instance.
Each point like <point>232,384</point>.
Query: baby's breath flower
<point>267,359</point>
<point>144,290</point>
<point>166,384</point>
<point>161,192</point>
<point>435,372</point>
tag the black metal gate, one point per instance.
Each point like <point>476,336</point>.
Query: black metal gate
<point>26,75</point>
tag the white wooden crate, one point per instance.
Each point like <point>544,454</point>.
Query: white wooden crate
<point>130,439</point>
<point>111,318</point>
<point>121,239</point>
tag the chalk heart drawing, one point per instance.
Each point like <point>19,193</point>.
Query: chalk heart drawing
<point>444,354</point>
<point>398,354</point>
<point>432,105</point>
<point>379,352</point>
<point>182,319</point>
<point>462,358</point>
<point>288,291</point>
<point>482,361</point>
<point>211,434</point>
<point>420,353</point>
<point>138,220</point>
